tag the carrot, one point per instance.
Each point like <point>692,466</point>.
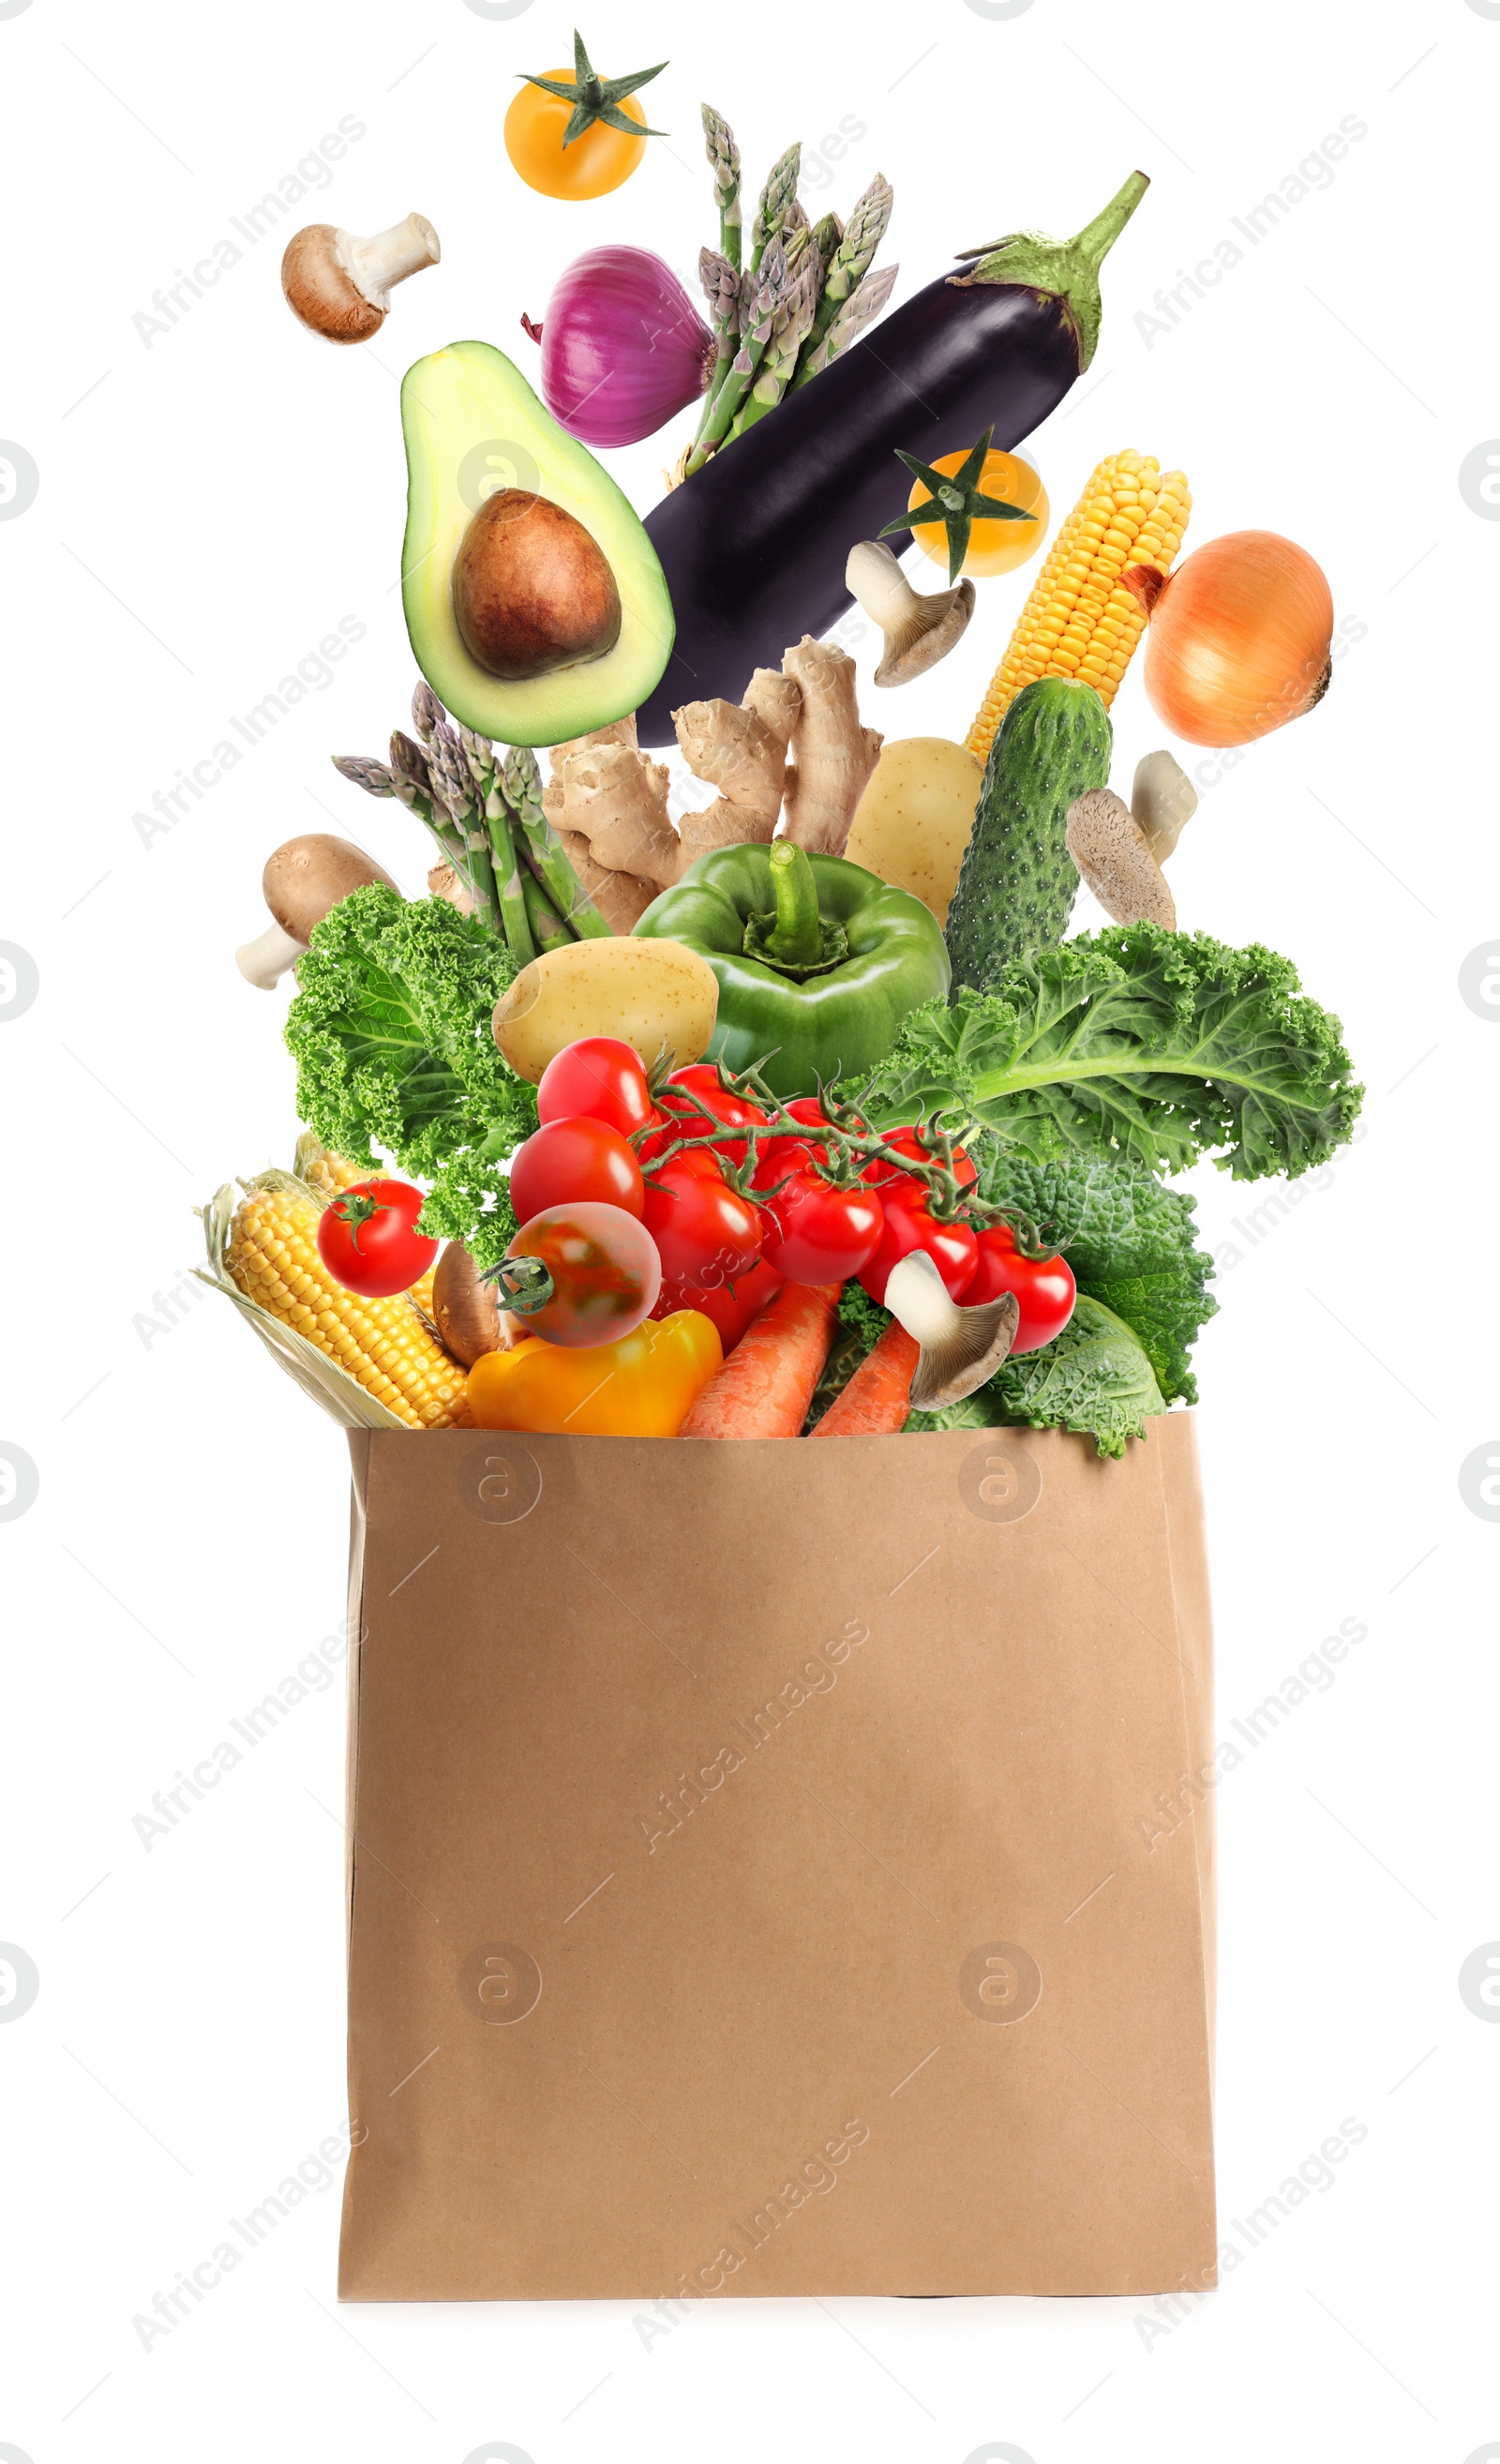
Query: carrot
<point>878,1397</point>
<point>765,1386</point>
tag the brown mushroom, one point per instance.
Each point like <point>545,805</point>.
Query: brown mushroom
<point>919,627</point>
<point>341,286</point>
<point>466,1312</point>
<point>302,880</point>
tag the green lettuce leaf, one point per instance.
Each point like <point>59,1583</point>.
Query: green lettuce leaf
<point>1128,1240</point>
<point>1094,1378</point>
<point>1156,1046</point>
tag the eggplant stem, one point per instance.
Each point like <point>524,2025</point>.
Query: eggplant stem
<point>1069,269</point>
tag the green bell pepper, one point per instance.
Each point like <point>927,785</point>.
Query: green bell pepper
<point>818,960</point>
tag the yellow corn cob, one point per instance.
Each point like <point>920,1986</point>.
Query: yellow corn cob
<point>325,1171</point>
<point>1079,619</point>
<point>273,1256</point>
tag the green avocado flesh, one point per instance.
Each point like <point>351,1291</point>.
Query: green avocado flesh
<point>472,425</point>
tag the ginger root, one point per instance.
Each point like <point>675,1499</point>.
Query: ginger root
<point>733,748</point>
<point>832,756</point>
<point>606,800</point>
<point>443,882</point>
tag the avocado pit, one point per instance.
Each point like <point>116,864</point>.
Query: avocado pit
<point>532,591</point>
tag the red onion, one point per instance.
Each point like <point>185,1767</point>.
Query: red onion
<point>623,347</point>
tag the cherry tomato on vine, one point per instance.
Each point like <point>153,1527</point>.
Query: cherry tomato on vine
<point>880,1174</point>
<point>686,1121</point>
<point>818,1233</point>
<point>953,1247</point>
<point>566,1161</point>
<point>366,1238</point>
<point>1044,1287</point>
<point>775,1157</point>
<point>599,1078</point>
<point>706,1233</point>
<point>606,1272</point>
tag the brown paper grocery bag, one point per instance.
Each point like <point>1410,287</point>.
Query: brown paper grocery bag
<point>758,1879</point>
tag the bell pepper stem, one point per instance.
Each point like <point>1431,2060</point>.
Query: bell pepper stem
<point>796,938</point>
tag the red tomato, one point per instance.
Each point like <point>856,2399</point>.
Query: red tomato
<point>1045,1287</point>
<point>599,1077</point>
<point>566,1160</point>
<point>819,1234</point>
<point>366,1238</point>
<point>905,1142</point>
<point>702,1080</point>
<point>706,1233</point>
<point>605,1273</point>
<point>775,1157</point>
<point>700,1158</point>
<point>953,1247</point>
<point>730,1309</point>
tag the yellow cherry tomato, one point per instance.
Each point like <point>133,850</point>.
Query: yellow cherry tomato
<point>602,159</point>
<point>994,547</point>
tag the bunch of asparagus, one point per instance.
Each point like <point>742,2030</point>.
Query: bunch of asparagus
<point>805,294</point>
<point>483,807</point>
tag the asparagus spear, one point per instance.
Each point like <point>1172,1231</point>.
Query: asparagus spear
<point>802,252</point>
<point>447,767</point>
<point>721,289</point>
<point>847,326</point>
<point>521,781</point>
<point>827,235</point>
<point>778,194</point>
<point>790,326</point>
<point>723,154</point>
<point>427,711</point>
<point>408,779</point>
<point>854,254</point>
<point>758,315</point>
<point>546,926</point>
<point>372,776</point>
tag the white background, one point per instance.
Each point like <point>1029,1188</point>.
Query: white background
<point>209,508</point>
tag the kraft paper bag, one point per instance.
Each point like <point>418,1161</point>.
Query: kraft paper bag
<point>758,1879</point>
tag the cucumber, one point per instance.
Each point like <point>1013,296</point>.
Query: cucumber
<point>1018,882</point>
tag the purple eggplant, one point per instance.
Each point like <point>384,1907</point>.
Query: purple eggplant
<point>754,545</point>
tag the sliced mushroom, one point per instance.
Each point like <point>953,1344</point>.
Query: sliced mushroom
<point>302,880</point>
<point>1109,846</point>
<point>919,627</point>
<point>341,286</point>
<point>1163,800</point>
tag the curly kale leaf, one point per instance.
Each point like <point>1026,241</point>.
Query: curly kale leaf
<point>1156,1046</point>
<point>390,1032</point>
<point>470,1200</point>
<point>1094,1378</point>
<point>1129,1242</point>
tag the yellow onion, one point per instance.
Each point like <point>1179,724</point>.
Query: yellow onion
<point>1239,640</point>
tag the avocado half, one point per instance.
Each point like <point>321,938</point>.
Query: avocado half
<point>472,423</point>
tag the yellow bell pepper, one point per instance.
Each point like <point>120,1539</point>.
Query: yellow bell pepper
<point>643,1386</point>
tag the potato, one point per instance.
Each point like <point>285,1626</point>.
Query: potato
<point>647,993</point>
<point>913,819</point>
